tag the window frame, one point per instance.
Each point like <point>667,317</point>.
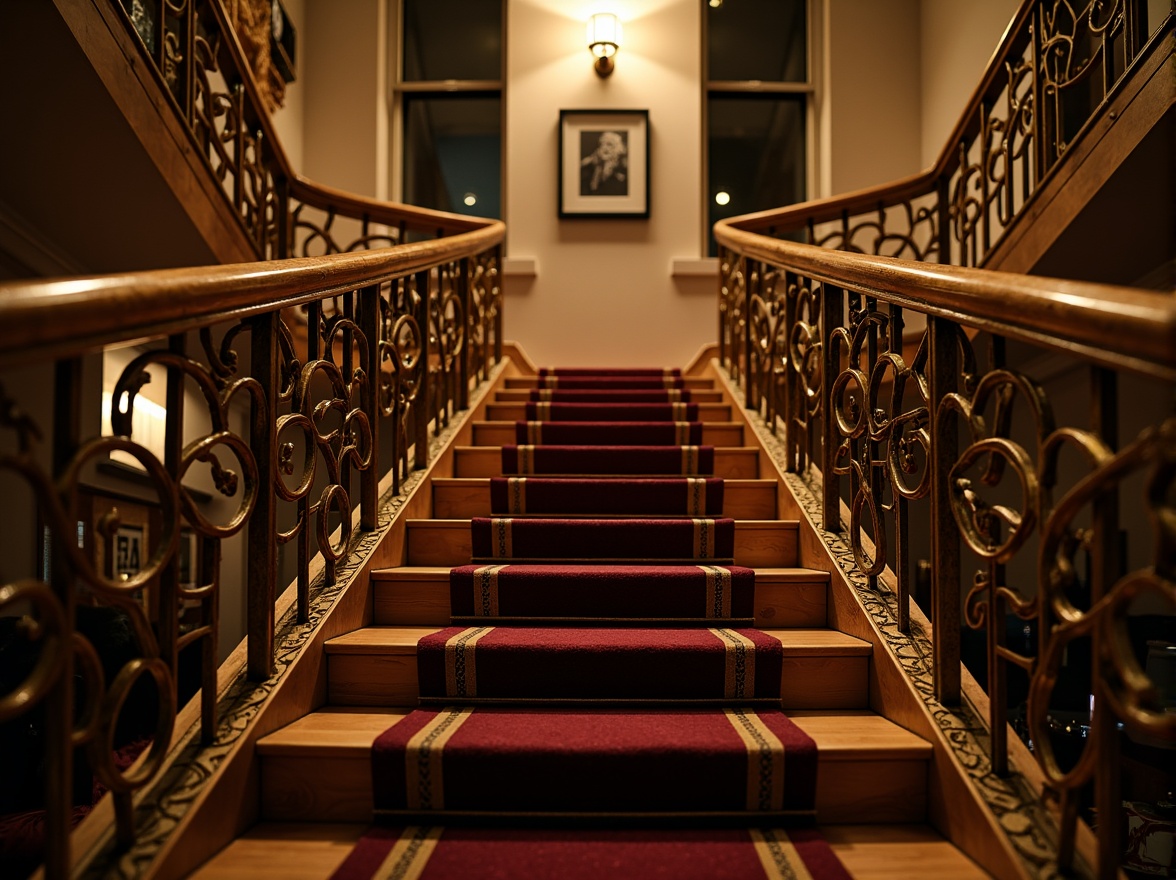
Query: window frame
<point>399,88</point>
<point>814,58</point>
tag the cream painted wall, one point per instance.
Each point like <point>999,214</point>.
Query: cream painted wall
<point>604,294</point>
<point>957,38</point>
<point>344,72</point>
<point>871,93</point>
<point>289,117</point>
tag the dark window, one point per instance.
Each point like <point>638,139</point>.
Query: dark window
<point>453,153</point>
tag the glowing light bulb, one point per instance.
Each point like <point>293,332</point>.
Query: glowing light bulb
<point>722,197</point>
<point>470,200</point>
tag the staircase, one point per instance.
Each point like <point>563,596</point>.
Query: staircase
<point>872,776</point>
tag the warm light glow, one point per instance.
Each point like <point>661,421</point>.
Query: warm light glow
<point>470,200</point>
<point>604,34</point>
<point>722,197</point>
<point>715,4</point>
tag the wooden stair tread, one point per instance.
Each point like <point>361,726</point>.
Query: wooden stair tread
<point>516,411</point>
<point>403,639</point>
<point>840,734</point>
<point>313,850</point>
<point>898,852</point>
<point>461,497</point>
<point>858,734</point>
<point>284,851</point>
<point>436,542</point>
<point>731,462</point>
<point>516,395</point>
<point>331,730</point>
<point>441,574</point>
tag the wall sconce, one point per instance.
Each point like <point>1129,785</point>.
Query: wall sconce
<point>604,38</point>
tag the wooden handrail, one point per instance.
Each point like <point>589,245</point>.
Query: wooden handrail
<point>955,431</point>
<point>1119,327</point>
<point>69,316</point>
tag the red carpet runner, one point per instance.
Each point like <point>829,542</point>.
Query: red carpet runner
<point>575,716</point>
<point>603,594</point>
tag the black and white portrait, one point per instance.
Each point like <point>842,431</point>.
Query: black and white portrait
<point>604,163</point>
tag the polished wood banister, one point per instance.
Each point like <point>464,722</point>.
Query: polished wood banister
<point>1115,326</point>
<point>69,316</point>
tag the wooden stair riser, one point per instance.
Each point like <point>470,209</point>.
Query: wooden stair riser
<point>516,411</point>
<point>692,383</point>
<point>731,462</point>
<point>390,679</point>
<point>522,395</point>
<point>503,434</point>
<point>465,497</point>
<point>878,779</point>
<point>758,543</point>
<point>420,597</point>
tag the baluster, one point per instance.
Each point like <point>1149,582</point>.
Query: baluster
<point>902,547</point>
<point>168,624</point>
<point>945,541</point>
<point>1106,562</point>
<point>465,294</point>
<point>792,405</point>
<point>263,560</point>
<point>499,299</point>
<point>750,285</point>
<point>426,391</point>
<point>369,325</point>
<point>832,316</point>
<point>872,473</point>
<point>59,703</point>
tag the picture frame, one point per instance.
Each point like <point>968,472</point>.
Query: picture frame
<point>604,164</point>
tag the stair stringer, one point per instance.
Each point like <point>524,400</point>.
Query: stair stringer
<point>207,796</point>
<point>1001,823</point>
<point>1136,105</point>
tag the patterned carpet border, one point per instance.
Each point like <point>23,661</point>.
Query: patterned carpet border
<point>162,806</point>
<point>1023,818</point>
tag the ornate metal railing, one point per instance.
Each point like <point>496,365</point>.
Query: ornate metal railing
<point>314,377</point>
<point>952,440</point>
<point>908,408</point>
<point>291,372</point>
<point>1051,77</point>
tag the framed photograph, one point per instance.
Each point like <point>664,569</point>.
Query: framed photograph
<point>603,163</point>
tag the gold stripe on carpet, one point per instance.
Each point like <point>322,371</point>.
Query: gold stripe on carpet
<point>516,494</point>
<point>545,393</point>
<point>718,591</point>
<point>525,461</point>
<point>703,538</point>
<point>500,541</point>
<point>765,760</point>
<point>409,855</point>
<point>424,783</point>
<point>682,433</point>
<point>543,412</point>
<point>696,492</point>
<point>673,394</point>
<point>551,381</point>
<point>461,669</point>
<point>679,411</point>
<point>739,667</point>
<point>669,381</point>
<point>486,590</point>
<point>689,459</point>
<point>535,433</point>
<point>778,855</point>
